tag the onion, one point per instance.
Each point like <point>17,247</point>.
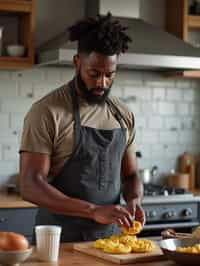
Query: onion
<point>12,241</point>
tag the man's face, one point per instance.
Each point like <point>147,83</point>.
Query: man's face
<point>95,76</point>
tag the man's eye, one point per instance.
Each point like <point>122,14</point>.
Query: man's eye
<point>110,75</point>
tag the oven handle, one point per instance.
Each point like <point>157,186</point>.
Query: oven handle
<point>177,225</point>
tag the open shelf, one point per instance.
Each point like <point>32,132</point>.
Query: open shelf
<point>24,10</point>
<point>194,22</point>
<point>180,23</point>
<point>8,62</point>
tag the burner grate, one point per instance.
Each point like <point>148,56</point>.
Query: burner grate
<point>158,190</point>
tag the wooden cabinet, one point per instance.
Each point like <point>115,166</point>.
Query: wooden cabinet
<point>24,11</point>
<point>180,23</point>
<point>18,220</point>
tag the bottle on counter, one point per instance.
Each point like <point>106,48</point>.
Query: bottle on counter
<point>187,165</point>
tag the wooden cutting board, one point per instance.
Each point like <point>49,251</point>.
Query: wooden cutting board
<point>87,248</point>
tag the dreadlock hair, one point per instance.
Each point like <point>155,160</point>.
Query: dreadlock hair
<point>101,34</point>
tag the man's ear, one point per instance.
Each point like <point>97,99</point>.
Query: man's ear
<point>76,62</point>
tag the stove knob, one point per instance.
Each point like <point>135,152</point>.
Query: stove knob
<point>187,212</point>
<point>173,214</point>
<point>168,215</point>
<point>147,214</point>
<point>152,214</point>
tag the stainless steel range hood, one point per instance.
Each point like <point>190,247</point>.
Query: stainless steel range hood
<point>151,49</point>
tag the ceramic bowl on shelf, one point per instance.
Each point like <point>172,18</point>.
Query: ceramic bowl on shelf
<point>11,258</point>
<point>15,50</point>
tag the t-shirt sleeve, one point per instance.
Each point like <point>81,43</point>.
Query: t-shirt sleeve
<point>131,132</point>
<point>38,131</point>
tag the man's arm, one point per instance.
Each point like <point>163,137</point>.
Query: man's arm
<point>34,169</point>
<point>132,186</point>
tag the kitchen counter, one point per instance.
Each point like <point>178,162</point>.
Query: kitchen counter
<point>70,257</point>
<point>13,200</point>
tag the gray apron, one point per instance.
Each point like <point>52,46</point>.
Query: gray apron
<point>93,173</point>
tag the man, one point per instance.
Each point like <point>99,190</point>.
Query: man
<point>77,152</point>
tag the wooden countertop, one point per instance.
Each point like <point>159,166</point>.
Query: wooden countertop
<point>13,200</point>
<point>70,257</point>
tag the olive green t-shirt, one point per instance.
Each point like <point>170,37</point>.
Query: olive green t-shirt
<point>48,126</point>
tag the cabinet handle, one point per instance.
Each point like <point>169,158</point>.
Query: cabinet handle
<point>2,220</point>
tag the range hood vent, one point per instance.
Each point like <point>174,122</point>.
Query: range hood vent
<point>151,48</point>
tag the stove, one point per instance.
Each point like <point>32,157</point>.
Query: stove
<point>169,207</point>
<point>158,190</point>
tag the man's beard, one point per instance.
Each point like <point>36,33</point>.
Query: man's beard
<point>88,94</point>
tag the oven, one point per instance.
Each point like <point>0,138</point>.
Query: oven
<point>168,207</point>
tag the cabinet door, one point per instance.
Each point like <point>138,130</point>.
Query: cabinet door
<point>19,220</point>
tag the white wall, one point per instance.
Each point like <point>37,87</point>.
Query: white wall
<point>167,113</point>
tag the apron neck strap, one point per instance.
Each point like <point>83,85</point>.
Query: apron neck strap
<point>76,113</point>
<point>115,112</point>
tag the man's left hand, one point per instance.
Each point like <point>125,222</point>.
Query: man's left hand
<point>136,210</point>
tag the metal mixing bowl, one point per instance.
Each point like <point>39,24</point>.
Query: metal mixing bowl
<point>169,246</point>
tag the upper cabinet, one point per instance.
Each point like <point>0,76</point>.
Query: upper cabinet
<point>17,26</point>
<point>183,20</point>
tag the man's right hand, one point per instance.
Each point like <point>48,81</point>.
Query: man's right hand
<point>113,214</point>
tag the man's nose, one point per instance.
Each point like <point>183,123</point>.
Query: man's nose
<point>101,82</point>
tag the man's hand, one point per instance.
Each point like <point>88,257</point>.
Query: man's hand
<point>113,214</point>
<point>136,210</point>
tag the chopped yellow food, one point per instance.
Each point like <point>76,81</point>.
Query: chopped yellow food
<point>125,243</point>
<point>119,249</point>
<point>192,249</point>
<point>127,239</point>
<point>137,228</point>
<point>142,245</point>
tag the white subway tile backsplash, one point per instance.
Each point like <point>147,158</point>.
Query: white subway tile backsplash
<point>160,83</point>
<point>4,121</point>
<point>169,137</point>
<point>150,137</point>
<point>5,75</point>
<point>30,75</point>
<point>25,89</point>
<point>194,109</point>
<point>16,106</point>
<point>10,153</point>
<point>16,121</point>
<point>173,94</point>
<point>149,108</point>
<point>167,112</point>
<point>8,89</point>
<point>135,107</point>
<point>182,108</point>
<point>189,94</point>
<point>183,84</point>
<point>141,93</point>
<point>159,93</point>
<point>66,74</point>
<point>7,168</point>
<point>140,122</point>
<point>166,108</point>
<point>155,122</point>
<point>117,91</point>
<point>172,123</point>
<point>188,137</point>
